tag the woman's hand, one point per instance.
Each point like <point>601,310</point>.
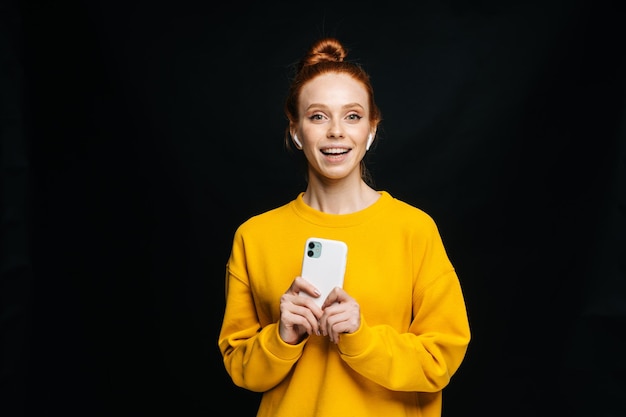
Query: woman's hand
<point>299,316</point>
<point>342,314</point>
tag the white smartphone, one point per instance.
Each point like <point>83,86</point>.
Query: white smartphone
<point>324,265</point>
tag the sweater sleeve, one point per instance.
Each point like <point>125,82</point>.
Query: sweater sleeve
<point>255,356</point>
<point>425,356</point>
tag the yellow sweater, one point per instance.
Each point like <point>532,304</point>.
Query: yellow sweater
<point>414,328</point>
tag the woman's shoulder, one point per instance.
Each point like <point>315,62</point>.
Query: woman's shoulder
<point>268,218</point>
<point>400,214</point>
<point>405,207</point>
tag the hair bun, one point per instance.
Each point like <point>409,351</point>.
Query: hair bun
<point>324,50</point>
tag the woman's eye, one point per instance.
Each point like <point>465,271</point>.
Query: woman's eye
<point>355,117</point>
<point>316,117</point>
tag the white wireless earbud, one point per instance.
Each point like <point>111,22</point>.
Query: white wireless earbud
<point>370,139</point>
<point>295,139</point>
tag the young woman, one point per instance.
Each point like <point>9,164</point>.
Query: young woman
<point>389,340</point>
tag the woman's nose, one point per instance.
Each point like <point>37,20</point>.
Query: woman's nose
<point>335,130</point>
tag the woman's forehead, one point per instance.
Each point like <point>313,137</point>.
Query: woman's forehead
<point>334,89</point>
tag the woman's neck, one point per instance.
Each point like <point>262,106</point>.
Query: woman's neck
<point>340,197</point>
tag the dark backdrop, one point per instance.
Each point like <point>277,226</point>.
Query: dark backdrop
<point>136,137</point>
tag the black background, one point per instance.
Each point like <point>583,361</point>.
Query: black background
<point>137,136</point>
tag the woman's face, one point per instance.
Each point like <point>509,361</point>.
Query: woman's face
<point>334,125</point>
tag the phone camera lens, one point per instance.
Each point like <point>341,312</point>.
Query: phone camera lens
<point>310,253</point>
<point>311,245</point>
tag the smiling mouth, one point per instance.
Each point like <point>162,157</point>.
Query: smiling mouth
<point>335,151</point>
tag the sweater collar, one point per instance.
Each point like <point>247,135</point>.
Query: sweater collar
<point>340,220</point>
